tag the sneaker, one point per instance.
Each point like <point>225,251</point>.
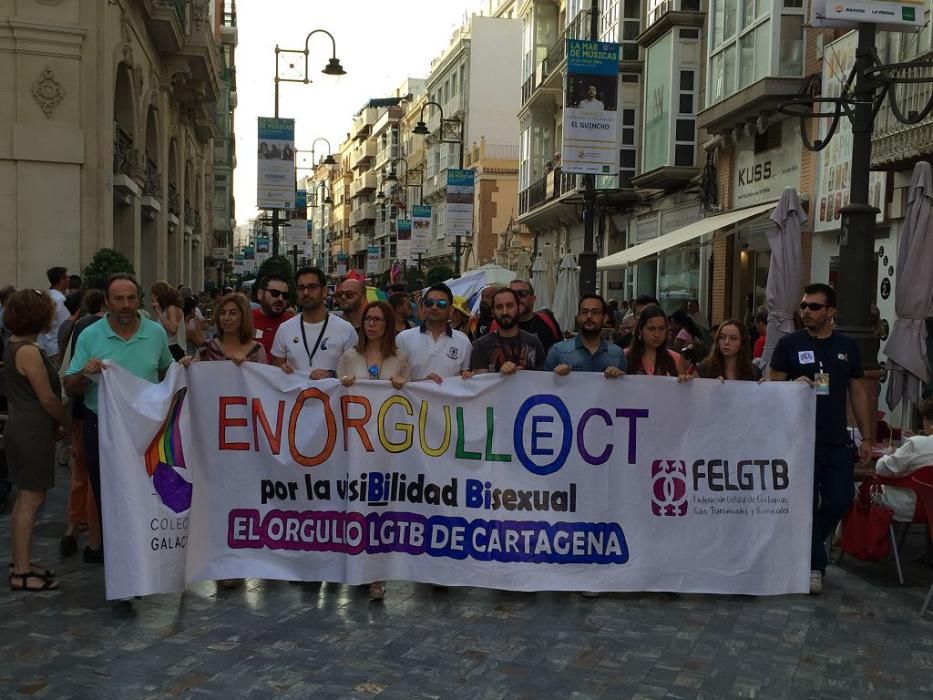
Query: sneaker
<point>93,556</point>
<point>377,590</point>
<point>816,582</point>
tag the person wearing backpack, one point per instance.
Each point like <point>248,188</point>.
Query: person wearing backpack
<point>539,323</point>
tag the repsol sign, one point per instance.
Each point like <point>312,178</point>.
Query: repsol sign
<point>755,173</point>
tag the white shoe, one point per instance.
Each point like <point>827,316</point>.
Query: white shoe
<point>816,582</point>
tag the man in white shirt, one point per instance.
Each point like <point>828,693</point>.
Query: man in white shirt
<point>313,341</point>
<point>58,283</point>
<point>591,102</point>
<point>915,453</point>
<point>434,349</point>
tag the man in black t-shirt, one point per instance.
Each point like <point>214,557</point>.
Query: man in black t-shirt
<point>507,348</point>
<point>539,323</point>
<point>832,364</point>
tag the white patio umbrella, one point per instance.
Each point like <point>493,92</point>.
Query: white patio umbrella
<point>540,283</point>
<point>496,274</point>
<point>567,294</point>
<point>522,265</point>
<point>783,288</point>
<point>906,347</point>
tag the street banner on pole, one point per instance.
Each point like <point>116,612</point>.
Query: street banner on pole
<point>420,229</point>
<point>262,244</point>
<point>372,260</point>
<point>403,239</point>
<point>889,15</point>
<point>526,482</point>
<point>835,161</point>
<point>341,264</point>
<point>296,230</point>
<point>275,164</point>
<point>590,101</point>
<point>459,202</point>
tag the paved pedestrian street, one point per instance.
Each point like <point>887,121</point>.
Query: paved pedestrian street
<point>862,638</point>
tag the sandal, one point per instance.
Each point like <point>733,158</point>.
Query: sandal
<point>38,570</point>
<point>48,584</point>
<point>377,590</point>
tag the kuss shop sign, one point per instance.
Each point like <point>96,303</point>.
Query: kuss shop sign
<point>761,177</point>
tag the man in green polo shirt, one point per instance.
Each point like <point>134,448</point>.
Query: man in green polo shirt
<point>122,338</point>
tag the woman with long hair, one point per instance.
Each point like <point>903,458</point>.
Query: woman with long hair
<point>648,353</point>
<point>375,357</point>
<point>234,340</point>
<point>36,420</point>
<point>731,354</point>
<point>167,304</point>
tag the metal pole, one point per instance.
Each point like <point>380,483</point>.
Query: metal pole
<point>857,241</point>
<point>457,239</point>
<point>587,257</point>
<point>275,212</point>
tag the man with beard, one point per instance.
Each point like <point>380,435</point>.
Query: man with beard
<point>313,341</point>
<point>508,348</point>
<point>482,324</point>
<point>588,351</point>
<point>273,309</point>
<point>351,297</point>
<point>539,323</point>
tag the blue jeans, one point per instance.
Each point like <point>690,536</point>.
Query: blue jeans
<point>833,491</point>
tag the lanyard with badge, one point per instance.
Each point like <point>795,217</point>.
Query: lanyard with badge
<point>821,378</point>
<point>317,344</point>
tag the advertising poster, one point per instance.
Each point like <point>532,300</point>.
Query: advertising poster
<point>403,239</point>
<point>459,202</point>
<point>530,482</point>
<point>590,103</point>
<point>835,161</point>
<point>372,260</point>
<point>296,227</point>
<point>341,264</point>
<point>275,164</point>
<point>420,230</point>
<point>890,15</point>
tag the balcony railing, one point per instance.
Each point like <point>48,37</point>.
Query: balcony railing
<point>153,183</point>
<point>893,141</point>
<point>125,157</point>
<point>174,202</point>
<point>528,88</point>
<point>551,186</point>
<point>665,6</point>
<point>579,28</point>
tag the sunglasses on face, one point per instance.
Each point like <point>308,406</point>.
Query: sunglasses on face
<point>308,287</point>
<point>439,303</point>
<point>522,293</point>
<point>276,294</point>
<point>812,306</point>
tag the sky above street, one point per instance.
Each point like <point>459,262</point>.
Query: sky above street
<point>379,44</point>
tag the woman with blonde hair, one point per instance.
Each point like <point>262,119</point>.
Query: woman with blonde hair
<point>167,304</point>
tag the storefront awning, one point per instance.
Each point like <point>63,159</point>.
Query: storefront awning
<point>680,236</point>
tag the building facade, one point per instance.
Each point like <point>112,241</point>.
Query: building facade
<point>116,104</point>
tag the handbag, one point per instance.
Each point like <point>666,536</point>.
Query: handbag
<point>866,527</point>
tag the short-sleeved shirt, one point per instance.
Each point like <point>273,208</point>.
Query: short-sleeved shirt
<point>298,350</point>
<point>265,327</point>
<point>547,330</point>
<point>145,354</point>
<point>493,350</point>
<point>48,341</point>
<point>574,353</point>
<point>446,356</point>
<point>801,355</point>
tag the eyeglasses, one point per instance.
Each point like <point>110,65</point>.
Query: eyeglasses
<point>439,303</point>
<point>812,306</point>
<point>374,319</point>
<point>308,287</point>
<point>277,293</point>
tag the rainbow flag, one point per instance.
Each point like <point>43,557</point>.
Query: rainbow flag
<point>164,455</point>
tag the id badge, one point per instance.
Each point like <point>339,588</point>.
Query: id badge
<point>822,383</point>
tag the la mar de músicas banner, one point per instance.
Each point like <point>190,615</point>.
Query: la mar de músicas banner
<point>528,482</point>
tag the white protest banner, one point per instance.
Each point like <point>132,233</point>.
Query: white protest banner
<point>528,482</point>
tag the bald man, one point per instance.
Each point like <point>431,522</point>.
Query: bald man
<point>351,297</point>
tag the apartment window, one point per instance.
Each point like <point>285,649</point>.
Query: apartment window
<point>684,121</point>
<point>628,152</point>
<point>631,28</point>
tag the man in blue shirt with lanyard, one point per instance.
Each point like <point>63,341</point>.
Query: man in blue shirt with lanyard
<point>832,364</point>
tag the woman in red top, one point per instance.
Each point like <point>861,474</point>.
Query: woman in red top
<point>648,353</point>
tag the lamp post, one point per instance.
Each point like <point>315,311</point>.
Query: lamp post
<point>422,129</point>
<point>869,84</point>
<point>587,257</point>
<point>326,199</point>
<point>404,185</point>
<point>333,67</point>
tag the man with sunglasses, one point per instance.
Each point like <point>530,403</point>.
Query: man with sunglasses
<point>273,309</point>
<point>351,297</point>
<point>540,323</point>
<point>831,363</point>
<point>313,341</point>
<point>434,349</point>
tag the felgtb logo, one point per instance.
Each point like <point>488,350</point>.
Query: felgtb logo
<point>669,487</point>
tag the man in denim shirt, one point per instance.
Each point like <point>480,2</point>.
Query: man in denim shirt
<point>588,351</point>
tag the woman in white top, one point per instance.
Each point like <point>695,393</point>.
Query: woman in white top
<point>375,357</point>
<point>167,304</point>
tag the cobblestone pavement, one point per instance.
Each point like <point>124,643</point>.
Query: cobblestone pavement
<point>862,638</point>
